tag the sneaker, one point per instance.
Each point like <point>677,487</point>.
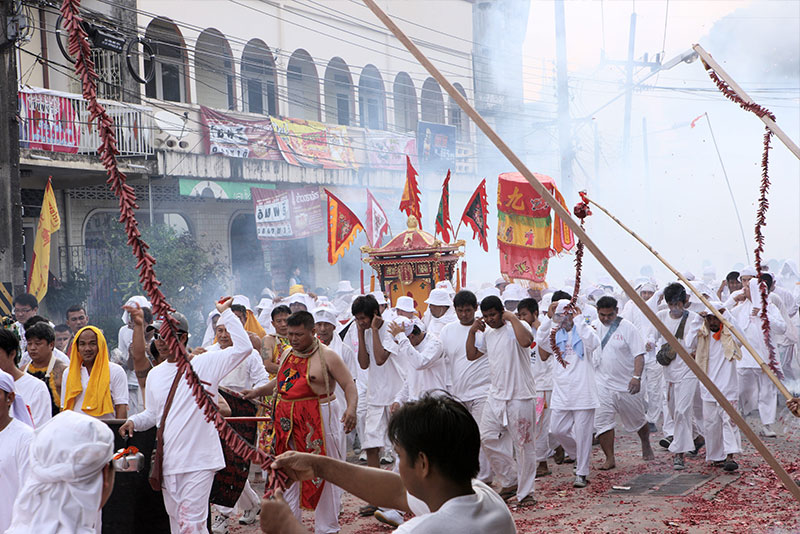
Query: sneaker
<point>730,466</point>
<point>387,458</point>
<point>363,456</point>
<point>392,518</point>
<point>249,516</point>
<point>666,442</point>
<point>219,525</point>
<point>767,432</point>
<point>678,464</point>
<point>580,481</point>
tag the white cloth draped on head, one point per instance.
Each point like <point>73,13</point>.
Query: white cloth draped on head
<point>19,410</point>
<point>64,486</point>
<point>138,299</point>
<point>208,336</point>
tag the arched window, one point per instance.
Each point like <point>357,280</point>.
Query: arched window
<point>456,117</point>
<point>302,84</point>
<point>405,102</point>
<point>371,99</point>
<point>213,71</point>
<point>339,108</point>
<point>432,103</point>
<point>259,93</point>
<point>169,79</point>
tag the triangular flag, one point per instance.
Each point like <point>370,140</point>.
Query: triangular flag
<point>409,203</point>
<point>563,238</point>
<point>694,122</point>
<point>476,213</point>
<point>343,225</point>
<point>443,225</point>
<point>49,222</point>
<point>377,222</point>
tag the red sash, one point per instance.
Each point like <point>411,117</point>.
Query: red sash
<point>298,421</point>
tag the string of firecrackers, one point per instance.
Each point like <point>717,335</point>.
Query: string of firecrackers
<point>761,213</point>
<point>85,71</point>
<point>581,211</point>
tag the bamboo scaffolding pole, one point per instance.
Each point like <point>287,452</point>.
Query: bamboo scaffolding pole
<point>595,250</point>
<point>724,76</point>
<point>746,344</point>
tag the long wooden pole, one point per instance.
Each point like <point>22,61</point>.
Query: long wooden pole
<point>764,367</point>
<point>595,250</point>
<point>777,130</point>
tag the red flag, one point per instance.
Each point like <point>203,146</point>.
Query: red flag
<point>377,222</point>
<point>694,122</point>
<point>476,213</point>
<point>409,203</point>
<point>443,225</point>
<point>343,225</point>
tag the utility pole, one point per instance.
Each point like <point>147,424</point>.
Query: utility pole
<point>12,277</point>
<point>626,132</point>
<point>564,125</point>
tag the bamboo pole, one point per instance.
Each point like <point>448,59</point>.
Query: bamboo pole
<point>777,130</point>
<point>746,344</point>
<point>595,250</point>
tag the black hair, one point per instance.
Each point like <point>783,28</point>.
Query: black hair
<point>529,304</point>
<point>561,295</point>
<point>239,308</point>
<point>75,308</point>
<point>147,315</point>
<point>26,299</point>
<point>41,330</point>
<point>283,309</point>
<point>766,277</point>
<point>416,331</point>
<point>301,318</point>
<point>732,276</point>
<point>61,328</point>
<point>492,302</point>
<point>33,320</point>
<point>465,297</point>
<point>365,304</point>
<point>675,293</point>
<point>606,302</point>
<point>9,342</point>
<point>443,429</point>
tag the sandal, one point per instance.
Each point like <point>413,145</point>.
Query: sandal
<point>367,510</point>
<point>507,493</point>
<point>526,502</point>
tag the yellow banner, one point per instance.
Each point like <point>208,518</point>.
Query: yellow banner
<point>49,222</point>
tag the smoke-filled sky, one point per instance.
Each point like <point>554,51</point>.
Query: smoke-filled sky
<point>677,197</point>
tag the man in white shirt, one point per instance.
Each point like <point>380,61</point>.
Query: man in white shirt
<point>510,411</point>
<point>681,382</point>
<point>439,313</point>
<point>574,385</point>
<point>426,369</point>
<point>192,450</point>
<point>15,440</point>
<point>468,380</point>
<point>717,354</point>
<point>619,380</point>
<point>25,307</point>
<point>437,442</point>
<point>29,388</point>
<point>44,364</point>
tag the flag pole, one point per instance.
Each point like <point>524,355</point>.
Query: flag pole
<point>462,102</point>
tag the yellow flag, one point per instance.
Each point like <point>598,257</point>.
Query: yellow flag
<point>49,222</point>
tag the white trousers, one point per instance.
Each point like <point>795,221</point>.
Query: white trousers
<point>756,390</point>
<point>654,390</point>
<point>786,354</point>
<point>573,430</point>
<point>361,412</point>
<point>511,421</point>
<point>722,436</point>
<point>475,408</point>
<point>248,500</point>
<point>680,405</point>
<point>326,514</point>
<point>544,438</point>
<point>186,500</point>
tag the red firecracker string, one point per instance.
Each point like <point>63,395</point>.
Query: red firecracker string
<point>84,68</point>
<point>761,213</point>
<point>581,211</point>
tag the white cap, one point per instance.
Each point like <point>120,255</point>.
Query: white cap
<point>267,292</point>
<point>409,324</point>
<point>344,287</point>
<point>445,284</point>
<point>646,286</point>
<point>264,303</point>
<point>562,306</point>
<point>439,297</point>
<point>514,292</point>
<point>689,275</point>
<point>379,296</point>
<point>500,281</point>
<point>298,298</point>
<point>487,292</point>
<point>325,314</point>
<point>748,271</point>
<point>141,301</point>
<point>405,304</point>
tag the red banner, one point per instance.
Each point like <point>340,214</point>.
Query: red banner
<point>288,213</point>
<point>238,138</point>
<point>49,122</point>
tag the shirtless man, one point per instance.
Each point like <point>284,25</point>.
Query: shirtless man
<point>307,419</point>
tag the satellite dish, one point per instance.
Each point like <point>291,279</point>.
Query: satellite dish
<point>170,123</point>
<point>208,189</point>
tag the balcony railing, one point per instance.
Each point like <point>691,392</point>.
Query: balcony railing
<point>59,122</point>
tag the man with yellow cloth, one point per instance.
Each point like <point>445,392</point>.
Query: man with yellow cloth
<point>93,384</point>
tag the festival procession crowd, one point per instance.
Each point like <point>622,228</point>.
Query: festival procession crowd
<point>468,403</point>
